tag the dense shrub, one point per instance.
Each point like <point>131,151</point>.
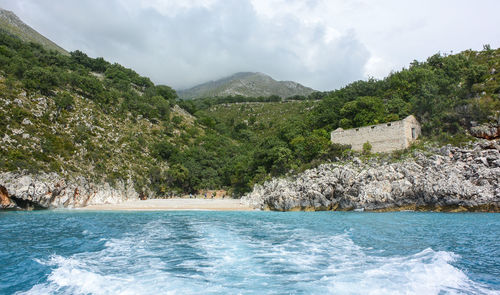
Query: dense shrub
<point>64,101</point>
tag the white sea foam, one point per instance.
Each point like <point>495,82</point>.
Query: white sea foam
<point>221,258</point>
<point>427,272</point>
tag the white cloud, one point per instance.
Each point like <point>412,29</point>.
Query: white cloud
<point>169,7</point>
<point>324,44</point>
<point>377,68</point>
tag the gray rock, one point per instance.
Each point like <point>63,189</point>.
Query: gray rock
<point>490,130</point>
<point>50,190</point>
<point>453,178</point>
<point>486,131</point>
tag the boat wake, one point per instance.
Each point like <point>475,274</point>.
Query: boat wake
<point>217,258</point>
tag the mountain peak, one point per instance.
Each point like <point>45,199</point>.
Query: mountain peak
<point>251,84</point>
<point>12,24</point>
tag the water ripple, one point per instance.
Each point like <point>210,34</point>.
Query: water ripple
<point>254,253</point>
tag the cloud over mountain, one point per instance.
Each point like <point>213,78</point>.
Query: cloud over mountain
<point>322,44</point>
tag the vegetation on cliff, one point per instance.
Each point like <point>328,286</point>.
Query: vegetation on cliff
<point>77,115</point>
<point>80,116</point>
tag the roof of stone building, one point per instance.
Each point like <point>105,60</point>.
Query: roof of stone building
<point>410,117</point>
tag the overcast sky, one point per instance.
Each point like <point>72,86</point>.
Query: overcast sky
<point>324,44</point>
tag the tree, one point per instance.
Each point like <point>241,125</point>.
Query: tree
<point>179,176</point>
<point>310,147</point>
<point>64,101</point>
<point>160,107</point>
<point>364,110</point>
<point>89,86</point>
<point>41,79</point>
<point>281,158</point>
<point>327,113</point>
<point>164,150</point>
<point>166,92</point>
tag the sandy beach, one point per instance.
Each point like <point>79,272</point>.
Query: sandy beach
<point>175,204</point>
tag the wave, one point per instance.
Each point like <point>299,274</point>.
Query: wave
<point>218,258</point>
<point>427,272</point>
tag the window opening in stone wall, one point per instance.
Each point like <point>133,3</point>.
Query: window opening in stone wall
<point>357,129</point>
<point>373,127</point>
<point>413,133</point>
<point>388,124</point>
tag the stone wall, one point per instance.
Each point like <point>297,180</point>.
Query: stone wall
<point>385,137</point>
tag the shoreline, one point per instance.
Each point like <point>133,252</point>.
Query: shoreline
<point>176,204</point>
<point>184,204</point>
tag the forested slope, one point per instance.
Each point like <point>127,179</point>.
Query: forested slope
<point>447,93</point>
<point>76,115</point>
<point>79,116</point>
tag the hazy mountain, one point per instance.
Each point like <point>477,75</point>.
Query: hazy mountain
<point>246,84</point>
<point>10,23</point>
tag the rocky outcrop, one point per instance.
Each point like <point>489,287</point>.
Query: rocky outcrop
<point>490,130</point>
<point>486,131</point>
<point>452,179</point>
<point>5,201</point>
<point>53,191</point>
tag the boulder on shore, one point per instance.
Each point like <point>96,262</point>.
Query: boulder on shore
<point>50,190</point>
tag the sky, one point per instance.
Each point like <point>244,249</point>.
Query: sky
<point>323,44</point>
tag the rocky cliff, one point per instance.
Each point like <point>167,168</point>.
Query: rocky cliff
<point>50,190</point>
<point>452,179</point>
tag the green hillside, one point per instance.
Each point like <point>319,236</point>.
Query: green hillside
<point>265,118</point>
<point>447,93</point>
<point>79,116</point>
<point>84,117</point>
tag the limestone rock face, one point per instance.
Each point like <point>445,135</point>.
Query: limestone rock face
<point>53,191</point>
<point>452,179</point>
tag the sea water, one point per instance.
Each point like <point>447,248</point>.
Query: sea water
<point>203,252</point>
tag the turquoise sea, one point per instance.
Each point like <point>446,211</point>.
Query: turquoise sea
<point>204,252</point>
